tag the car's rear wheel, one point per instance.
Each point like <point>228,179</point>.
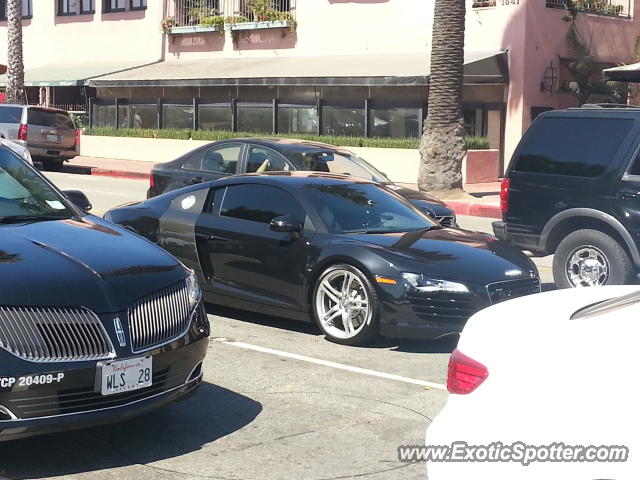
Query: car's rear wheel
<point>345,305</point>
<point>590,258</point>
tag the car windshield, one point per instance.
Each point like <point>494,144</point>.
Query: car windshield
<point>337,161</point>
<point>25,195</point>
<point>363,208</point>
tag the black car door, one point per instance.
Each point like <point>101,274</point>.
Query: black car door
<point>204,164</point>
<point>242,256</point>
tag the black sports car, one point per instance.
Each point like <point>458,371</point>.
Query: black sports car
<point>249,155</point>
<point>96,324</point>
<point>357,256</point>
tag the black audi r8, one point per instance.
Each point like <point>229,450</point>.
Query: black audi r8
<point>249,155</point>
<point>358,257</point>
<point>96,323</point>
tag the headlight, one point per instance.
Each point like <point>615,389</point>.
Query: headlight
<point>423,283</point>
<point>193,290</point>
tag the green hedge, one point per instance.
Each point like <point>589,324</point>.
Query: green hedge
<point>479,143</point>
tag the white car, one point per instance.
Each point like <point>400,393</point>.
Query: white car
<point>559,368</point>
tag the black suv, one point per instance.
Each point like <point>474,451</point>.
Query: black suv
<point>573,189</point>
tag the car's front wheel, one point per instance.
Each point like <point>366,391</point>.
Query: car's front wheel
<point>345,305</point>
<point>591,258</point>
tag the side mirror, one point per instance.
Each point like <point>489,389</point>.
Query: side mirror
<point>79,199</point>
<point>286,224</point>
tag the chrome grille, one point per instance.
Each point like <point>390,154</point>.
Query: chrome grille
<point>53,334</point>
<point>501,291</point>
<point>159,317</point>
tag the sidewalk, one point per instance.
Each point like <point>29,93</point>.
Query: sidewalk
<point>485,202</point>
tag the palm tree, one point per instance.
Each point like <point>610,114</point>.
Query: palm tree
<point>442,147</point>
<point>15,67</point>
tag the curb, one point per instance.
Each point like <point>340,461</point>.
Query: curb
<point>120,174</point>
<point>476,209</point>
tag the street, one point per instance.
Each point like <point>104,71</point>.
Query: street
<point>279,401</point>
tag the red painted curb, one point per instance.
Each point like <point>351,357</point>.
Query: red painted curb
<point>120,174</point>
<point>476,209</point>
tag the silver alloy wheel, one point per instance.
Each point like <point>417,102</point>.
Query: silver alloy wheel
<point>587,267</point>
<point>342,304</point>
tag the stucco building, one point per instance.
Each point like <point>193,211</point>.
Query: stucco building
<point>343,67</point>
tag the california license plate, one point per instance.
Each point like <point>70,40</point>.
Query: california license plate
<point>53,138</point>
<point>125,375</point>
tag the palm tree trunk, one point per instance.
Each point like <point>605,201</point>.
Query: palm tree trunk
<point>15,67</point>
<point>442,147</point>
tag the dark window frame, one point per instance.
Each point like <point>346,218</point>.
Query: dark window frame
<point>27,16</point>
<point>142,6</point>
<point>64,5</point>
<point>91,11</point>
<point>107,8</point>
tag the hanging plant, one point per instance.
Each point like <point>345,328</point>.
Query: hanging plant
<point>167,24</point>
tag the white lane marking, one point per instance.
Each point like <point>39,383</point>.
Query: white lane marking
<point>326,363</point>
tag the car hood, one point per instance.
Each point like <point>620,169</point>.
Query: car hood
<point>449,253</point>
<point>80,262</point>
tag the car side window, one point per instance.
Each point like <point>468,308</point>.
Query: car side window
<point>567,146</point>
<point>218,159</point>
<point>266,160</point>
<point>259,203</point>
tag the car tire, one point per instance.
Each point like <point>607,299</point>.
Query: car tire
<point>345,305</point>
<point>588,258</point>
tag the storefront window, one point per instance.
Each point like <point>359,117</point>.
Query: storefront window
<point>297,119</point>
<point>395,122</point>
<point>343,121</point>
<point>255,118</point>
<point>144,116</point>
<point>104,115</point>
<point>214,117</point>
<point>178,116</point>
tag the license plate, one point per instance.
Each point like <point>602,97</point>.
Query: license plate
<point>125,375</point>
<point>53,138</point>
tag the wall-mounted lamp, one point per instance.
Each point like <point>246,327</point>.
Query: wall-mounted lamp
<point>550,79</point>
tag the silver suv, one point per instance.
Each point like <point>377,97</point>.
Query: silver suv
<point>48,133</point>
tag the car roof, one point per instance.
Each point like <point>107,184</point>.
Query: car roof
<point>594,110</point>
<point>38,107</point>
<point>284,144</point>
<point>295,179</point>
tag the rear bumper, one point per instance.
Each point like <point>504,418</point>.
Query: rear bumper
<point>53,152</point>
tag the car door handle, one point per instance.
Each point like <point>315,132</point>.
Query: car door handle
<point>203,237</point>
<point>627,195</point>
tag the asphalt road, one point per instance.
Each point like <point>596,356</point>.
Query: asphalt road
<point>279,401</point>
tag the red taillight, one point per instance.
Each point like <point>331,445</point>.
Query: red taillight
<point>465,374</point>
<point>504,195</point>
<point>77,139</point>
<point>151,181</point>
<point>22,132</point>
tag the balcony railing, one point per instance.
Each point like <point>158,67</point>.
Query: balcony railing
<point>484,3</point>
<point>610,8</point>
<point>217,13</point>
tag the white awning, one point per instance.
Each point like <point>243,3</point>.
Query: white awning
<point>481,67</point>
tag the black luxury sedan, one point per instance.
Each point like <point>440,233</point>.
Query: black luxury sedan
<point>349,253</point>
<point>96,323</point>
<point>258,155</point>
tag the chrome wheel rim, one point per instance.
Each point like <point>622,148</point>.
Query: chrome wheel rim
<point>587,266</point>
<point>342,304</point>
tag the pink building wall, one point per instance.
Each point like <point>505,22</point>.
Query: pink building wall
<point>536,37</point>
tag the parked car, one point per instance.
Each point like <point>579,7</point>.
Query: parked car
<point>349,253</point>
<point>96,323</point>
<point>572,189</point>
<point>544,370</point>
<point>248,155</point>
<point>48,133</point>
